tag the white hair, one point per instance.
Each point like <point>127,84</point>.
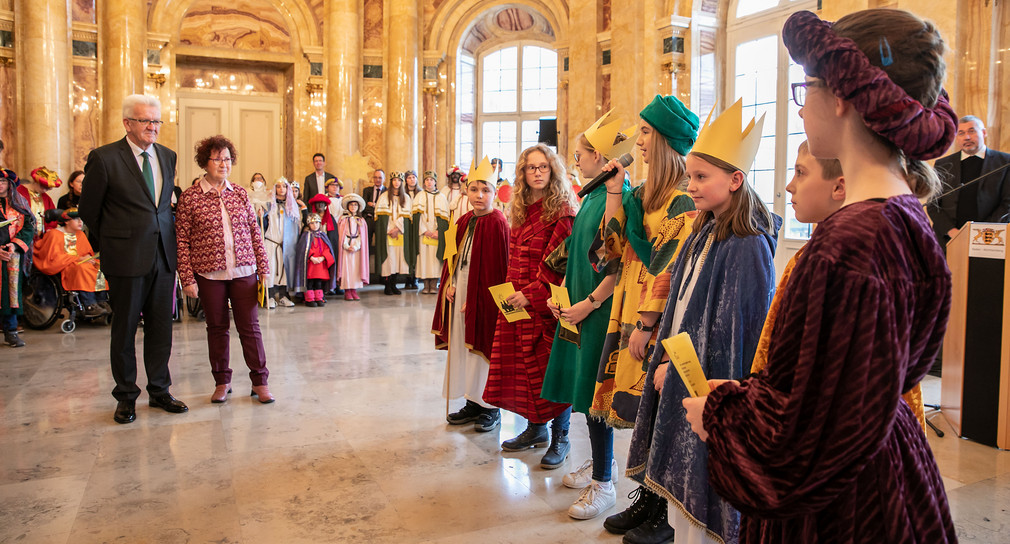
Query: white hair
<point>134,100</point>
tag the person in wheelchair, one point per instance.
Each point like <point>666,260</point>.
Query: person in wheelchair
<point>66,251</point>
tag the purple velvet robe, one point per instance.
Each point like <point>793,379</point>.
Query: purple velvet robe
<point>819,446</point>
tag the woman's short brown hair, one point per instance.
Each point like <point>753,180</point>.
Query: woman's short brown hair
<point>212,144</point>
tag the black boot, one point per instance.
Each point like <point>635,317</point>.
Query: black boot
<point>488,420</point>
<point>638,513</point>
<point>535,436</point>
<point>558,452</point>
<point>411,283</point>
<point>12,339</point>
<point>466,414</point>
<point>389,285</point>
<point>655,530</point>
<point>392,284</point>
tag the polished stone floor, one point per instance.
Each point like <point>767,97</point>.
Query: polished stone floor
<point>355,449</point>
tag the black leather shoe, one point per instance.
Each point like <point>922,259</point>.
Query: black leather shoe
<point>126,411</point>
<point>644,503</point>
<point>488,420</point>
<point>655,530</point>
<point>466,414</point>
<point>558,452</point>
<point>535,436</point>
<point>13,340</point>
<point>168,403</point>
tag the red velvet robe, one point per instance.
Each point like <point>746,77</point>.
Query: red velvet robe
<point>488,265</point>
<point>819,446</point>
<point>521,349</point>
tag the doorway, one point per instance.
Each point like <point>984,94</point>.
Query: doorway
<point>252,123</point>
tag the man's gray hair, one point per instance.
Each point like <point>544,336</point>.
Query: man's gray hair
<point>134,100</point>
<point>972,119</point>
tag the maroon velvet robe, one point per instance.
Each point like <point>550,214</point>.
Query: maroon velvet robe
<point>488,265</point>
<point>819,446</point>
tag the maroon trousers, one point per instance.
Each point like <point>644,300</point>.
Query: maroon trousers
<point>214,297</point>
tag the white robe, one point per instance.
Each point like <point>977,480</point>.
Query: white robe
<point>430,207</point>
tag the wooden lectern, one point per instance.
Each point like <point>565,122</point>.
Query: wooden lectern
<point>975,386</point>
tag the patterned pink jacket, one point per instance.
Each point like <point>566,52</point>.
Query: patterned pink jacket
<point>200,232</point>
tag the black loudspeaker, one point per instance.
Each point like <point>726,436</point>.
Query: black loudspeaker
<point>549,132</point>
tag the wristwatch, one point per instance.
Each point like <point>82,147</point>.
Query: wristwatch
<point>596,303</point>
<point>641,326</point>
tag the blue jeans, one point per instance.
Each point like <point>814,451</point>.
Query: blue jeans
<point>601,442</point>
<point>561,422</point>
<point>10,322</point>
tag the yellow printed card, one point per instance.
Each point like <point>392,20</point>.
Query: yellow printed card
<point>560,296</point>
<point>684,358</point>
<point>450,243</point>
<point>501,292</point>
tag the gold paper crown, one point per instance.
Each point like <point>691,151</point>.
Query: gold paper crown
<point>603,134</point>
<point>482,172</point>
<point>724,140</point>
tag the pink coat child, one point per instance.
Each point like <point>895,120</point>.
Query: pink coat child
<point>352,264</point>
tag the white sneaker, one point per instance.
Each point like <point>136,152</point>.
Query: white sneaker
<point>584,474</point>
<point>595,499</point>
<point>271,304</point>
<point>286,302</point>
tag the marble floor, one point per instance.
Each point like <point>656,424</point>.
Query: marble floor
<point>356,448</point>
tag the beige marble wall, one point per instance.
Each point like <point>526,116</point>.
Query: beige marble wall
<point>372,129</point>
<point>83,11</point>
<point>635,63</point>
<point>428,134</point>
<point>372,24</point>
<point>251,25</point>
<point>584,74</point>
<point>999,98</point>
<point>318,10</point>
<point>86,116</point>
<point>8,115</point>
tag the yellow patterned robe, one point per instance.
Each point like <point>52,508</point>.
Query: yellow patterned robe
<point>620,378</point>
<point>913,396</point>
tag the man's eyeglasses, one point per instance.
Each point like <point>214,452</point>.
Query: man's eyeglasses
<point>800,90</point>
<point>228,160</point>
<point>155,122</point>
<point>544,168</point>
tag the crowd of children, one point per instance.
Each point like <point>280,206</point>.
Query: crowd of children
<point>769,455</point>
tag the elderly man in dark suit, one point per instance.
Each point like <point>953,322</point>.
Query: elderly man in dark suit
<point>126,202</point>
<point>315,182</point>
<point>986,201</point>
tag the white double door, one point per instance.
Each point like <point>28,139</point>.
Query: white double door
<point>252,123</point>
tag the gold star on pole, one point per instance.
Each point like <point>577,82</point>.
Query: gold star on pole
<point>356,167</point>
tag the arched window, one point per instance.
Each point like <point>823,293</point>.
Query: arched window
<point>760,71</point>
<point>501,99</point>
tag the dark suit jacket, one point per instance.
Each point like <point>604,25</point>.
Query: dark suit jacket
<point>117,207</point>
<point>366,194</point>
<point>993,192</point>
<point>309,188</point>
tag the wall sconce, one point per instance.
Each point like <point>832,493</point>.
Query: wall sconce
<point>671,67</point>
<point>313,88</point>
<point>6,61</point>
<point>563,84</point>
<point>431,87</point>
<point>157,78</point>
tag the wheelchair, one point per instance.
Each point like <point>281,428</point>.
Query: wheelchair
<point>45,302</point>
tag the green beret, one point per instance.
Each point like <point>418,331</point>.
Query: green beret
<point>671,118</point>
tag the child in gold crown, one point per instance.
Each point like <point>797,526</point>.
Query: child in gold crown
<point>720,287</point>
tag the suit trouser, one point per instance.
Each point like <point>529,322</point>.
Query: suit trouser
<point>243,294</point>
<point>152,295</point>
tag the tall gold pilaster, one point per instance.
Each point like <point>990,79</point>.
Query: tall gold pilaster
<point>122,55</point>
<point>404,65</point>
<point>43,78</point>
<point>636,65</point>
<point>342,43</point>
<point>583,76</point>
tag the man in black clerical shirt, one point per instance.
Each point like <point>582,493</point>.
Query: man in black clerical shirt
<point>988,200</point>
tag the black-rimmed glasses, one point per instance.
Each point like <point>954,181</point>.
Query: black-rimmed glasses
<point>800,90</point>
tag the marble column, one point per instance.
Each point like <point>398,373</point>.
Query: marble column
<point>636,65</point>
<point>404,64</point>
<point>43,79</point>
<point>122,56</point>
<point>999,109</point>
<point>584,93</point>
<point>342,44</point>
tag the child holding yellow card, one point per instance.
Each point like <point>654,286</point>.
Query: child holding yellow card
<point>466,313</point>
<point>720,287</point>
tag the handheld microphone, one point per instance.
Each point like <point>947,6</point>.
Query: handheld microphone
<point>625,161</point>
